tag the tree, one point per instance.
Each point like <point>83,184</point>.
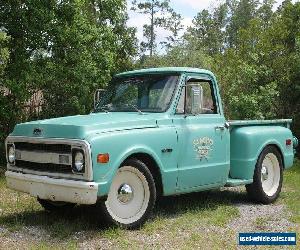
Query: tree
<point>175,26</point>
<point>4,52</point>
<point>208,29</point>
<point>254,52</point>
<point>62,50</point>
<point>4,56</point>
<point>182,55</point>
<point>265,12</point>
<point>241,12</point>
<point>155,10</point>
<point>284,43</point>
<point>91,47</point>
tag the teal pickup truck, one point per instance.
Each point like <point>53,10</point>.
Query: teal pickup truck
<point>153,132</point>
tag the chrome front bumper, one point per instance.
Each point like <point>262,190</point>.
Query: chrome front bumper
<point>48,188</point>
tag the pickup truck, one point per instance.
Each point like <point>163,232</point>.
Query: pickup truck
<point>153,132</point>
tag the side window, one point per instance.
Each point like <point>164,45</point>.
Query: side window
<point>201,94</point>
<point>209,101</point>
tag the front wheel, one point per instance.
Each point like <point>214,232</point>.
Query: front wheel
<point>132,195</point>
<point>267,179</point>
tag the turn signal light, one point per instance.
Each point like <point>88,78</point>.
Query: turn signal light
<point>288,142</point>
<point>103,158</point>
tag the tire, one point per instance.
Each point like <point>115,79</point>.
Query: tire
<point>131,197</point>
<point>268,176</point>
<point>56,206</point>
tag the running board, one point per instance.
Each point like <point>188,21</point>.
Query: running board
<point>237,182</point>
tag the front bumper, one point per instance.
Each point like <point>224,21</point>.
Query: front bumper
<point>48,188</point>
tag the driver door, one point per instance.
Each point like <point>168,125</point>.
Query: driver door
<point>202,136</point>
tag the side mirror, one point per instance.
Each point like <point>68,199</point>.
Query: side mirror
<point>97,96</point>
<point>194,100</point>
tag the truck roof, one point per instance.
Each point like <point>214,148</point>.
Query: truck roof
<point>167,70</point>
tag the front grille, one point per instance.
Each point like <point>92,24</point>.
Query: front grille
<point>49,157</point>
<point>53,148</point>
<point>64,149</point>
<point>44,167</point>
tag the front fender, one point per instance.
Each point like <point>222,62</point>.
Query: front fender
<point>122,144</point>
<point>122,157</point>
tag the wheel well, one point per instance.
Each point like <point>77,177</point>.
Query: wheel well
<point>280,152</point>
<point>153,168</point>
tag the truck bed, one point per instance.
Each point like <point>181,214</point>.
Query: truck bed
<point>247,140</point>
<point>281,122</point>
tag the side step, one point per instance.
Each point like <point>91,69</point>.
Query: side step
<point>237,182</point>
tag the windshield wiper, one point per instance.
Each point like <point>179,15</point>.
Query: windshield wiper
<point>136,108</point>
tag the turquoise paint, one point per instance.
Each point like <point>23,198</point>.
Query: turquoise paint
<point>191,168</point>
<point>81,126</point>
<point>247,142</point>
<point>280,122</point>
<point>122,144</point>
<point>181,70</point>
<point>232,158</point>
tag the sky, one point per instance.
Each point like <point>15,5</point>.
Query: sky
<point>187,8</point>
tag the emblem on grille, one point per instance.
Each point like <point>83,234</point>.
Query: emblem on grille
<point>37,132</point>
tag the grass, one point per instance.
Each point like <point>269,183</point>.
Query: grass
<point>291,196</point>
<point>197,220</point>
<point>261,222</point>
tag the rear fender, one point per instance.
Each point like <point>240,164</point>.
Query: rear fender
<point>247,144</point>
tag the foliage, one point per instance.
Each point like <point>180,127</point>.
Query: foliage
<point>178,56</point>
<point>4,55</point>
<point>155,10</point>
<point>253,50</point>
<point>208,30</point>
<point>59,53</point>
<point>4,52</point>
<point>161,15</point>
<point>175,26</point>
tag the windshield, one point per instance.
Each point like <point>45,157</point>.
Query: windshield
<point>146,93</point>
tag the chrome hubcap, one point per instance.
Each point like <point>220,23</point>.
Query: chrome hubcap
<point>125,193</point>
<point>264,173</point>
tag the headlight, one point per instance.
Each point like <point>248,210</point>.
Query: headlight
<point>11,153</point>
<point>78,161</point>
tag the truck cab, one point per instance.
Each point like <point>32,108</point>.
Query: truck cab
<point>153,132</point>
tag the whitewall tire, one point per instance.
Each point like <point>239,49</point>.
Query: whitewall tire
<point>268,176</point>
<point>132,195</point>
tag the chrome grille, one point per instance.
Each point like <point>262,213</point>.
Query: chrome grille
<point>44,167</point>
<point>54,148</point>
<point>51,157</point>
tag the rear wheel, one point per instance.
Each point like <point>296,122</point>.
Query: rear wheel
<point>132,195</point>
<point>55,206</point>
<point>267,179</point>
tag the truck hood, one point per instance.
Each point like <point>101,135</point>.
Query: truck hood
<point>80,126</point>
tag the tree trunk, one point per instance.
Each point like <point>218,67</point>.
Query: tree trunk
<point>152,29</point>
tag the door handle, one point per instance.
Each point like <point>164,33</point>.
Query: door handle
<point>220,128</point>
